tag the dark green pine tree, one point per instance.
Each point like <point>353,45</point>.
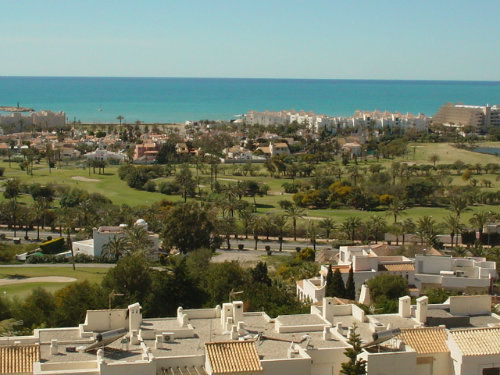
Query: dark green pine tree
<point>329,282</point>
<point>350,287</point>
<point>354,366</point>
<point>338,287</point>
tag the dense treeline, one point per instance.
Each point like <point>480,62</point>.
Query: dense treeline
<point>191,281</point>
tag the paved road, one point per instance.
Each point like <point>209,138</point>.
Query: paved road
<point>62,265</point>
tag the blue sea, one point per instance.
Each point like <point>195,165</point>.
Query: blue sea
<point>165,100</point>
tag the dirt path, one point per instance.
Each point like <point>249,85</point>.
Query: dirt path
<point>42,279</point>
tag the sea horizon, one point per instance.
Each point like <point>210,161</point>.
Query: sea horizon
<point>93,99</point>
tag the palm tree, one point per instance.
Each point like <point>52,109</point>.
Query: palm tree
<point>396,208</point>
<point>327,225</point>
<point>12,189</point>
<point>120,118</point>
<point>458,205</point>
<point>312,234</point>
<point>408,226</point>
<point>115,248</point>
<point>280,222</point>
<point>67,218</point>
<point>425,229</point>
<point>294,213</point>
<point>350,225</point>
<point>478,220</point>
<point>376,224</point>
<point>246,217</point>
<point>454,226</point>
<point>396,230</point>
<point>137,239</point>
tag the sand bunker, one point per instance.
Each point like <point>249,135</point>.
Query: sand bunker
<point>42,279</point>
<point>84,179</point>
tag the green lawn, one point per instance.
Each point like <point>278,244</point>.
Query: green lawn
<point>92,274</point>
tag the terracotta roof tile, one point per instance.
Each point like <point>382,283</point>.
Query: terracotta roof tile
<point>18,359</point>
<point>477,341</point>
<point>425,340</point>
<point>402,267</point>
<point>232,357</point>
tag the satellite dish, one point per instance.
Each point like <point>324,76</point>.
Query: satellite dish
<point>106,338</point>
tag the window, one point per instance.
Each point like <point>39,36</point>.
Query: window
<point>491,371</point>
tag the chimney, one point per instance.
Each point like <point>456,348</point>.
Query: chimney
<point>328,309</point>
<point>134,317</point>
<point>226,312</point>
<point>327,335</point>
<point>422,305</point>
<point>404,307</point>
<point>364,296</point>
<point>54,347</point>
<point>237,311</point>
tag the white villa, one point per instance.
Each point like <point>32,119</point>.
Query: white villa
<point>471,274</point>
<point>103,235</point>
<point>105,155</point>
<point>227,340</point>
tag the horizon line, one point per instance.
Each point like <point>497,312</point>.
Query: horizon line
<point>257,78</point>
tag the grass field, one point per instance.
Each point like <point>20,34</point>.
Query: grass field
<point>117,190</point>
<point>93,275</point>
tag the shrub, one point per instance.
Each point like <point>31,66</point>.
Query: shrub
<point>241,246</point>
<point>150,186</point>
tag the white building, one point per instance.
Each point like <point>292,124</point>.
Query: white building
<point>474,274</point>
<point>316,123</point>
<point>423,272</point>
<point>101,236</point>
<point>17,122</point>
<point>105,155</point>
<point>227,340</point>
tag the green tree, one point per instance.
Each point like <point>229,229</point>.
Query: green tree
<point>280,223</point>
<point>188,227</point>
<point>350,287</point>
<point>387,286</point>
<point>132,277</point>
<point>376,225</point>
<point>478,221</point>
<point>295,213</point>
<point>337,287</point>
<point>259,274</point>
<point>185,179</point>
<point>12,190</point>
<point>355,366</point>
<point>327,225</point>
<point>350,225</point>
<point>396,208</point>
<point>115,248</point>
<point>454,226</point>
<point>73,301</point>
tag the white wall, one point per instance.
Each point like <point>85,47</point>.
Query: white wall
<point>105,320</point>
<point>470,305</point>
<point>394,363</point>
<point>432,264</point>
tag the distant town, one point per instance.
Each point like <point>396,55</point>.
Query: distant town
<point>280,242</point>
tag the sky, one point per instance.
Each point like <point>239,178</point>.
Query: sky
<point>338,39</point>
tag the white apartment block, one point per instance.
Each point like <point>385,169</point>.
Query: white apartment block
<point>317,123</point>
<point>17,122</point>
<point>227,340</point>
<point>460,115</point>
